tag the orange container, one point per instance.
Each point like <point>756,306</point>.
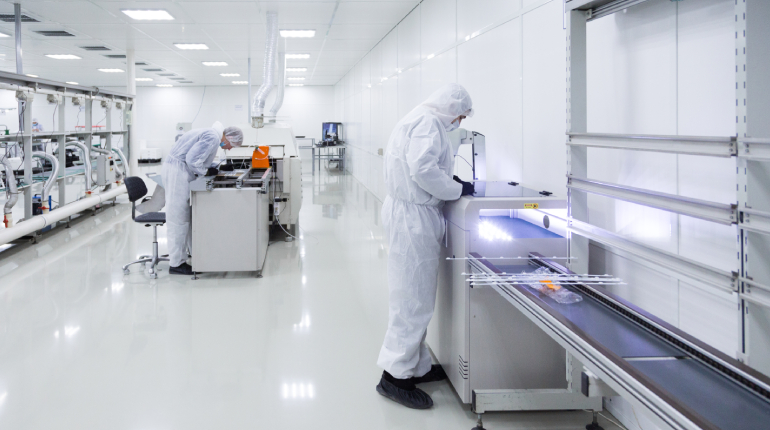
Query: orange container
<point>259,159</point>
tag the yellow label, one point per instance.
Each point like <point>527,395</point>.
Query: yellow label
<point>531,206</point>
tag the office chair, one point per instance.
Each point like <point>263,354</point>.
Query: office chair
<point>136,190</point>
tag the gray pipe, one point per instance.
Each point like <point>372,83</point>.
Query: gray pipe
<point>10,180</point>
<point>51,179</point>
<point>281,83</point>
<point>258,106</point>
<point>86,161</point>
<point>123,159</point>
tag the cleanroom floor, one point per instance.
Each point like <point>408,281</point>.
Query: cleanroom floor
<point>84,347</point>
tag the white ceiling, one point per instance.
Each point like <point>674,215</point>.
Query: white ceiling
<point>233,31</point>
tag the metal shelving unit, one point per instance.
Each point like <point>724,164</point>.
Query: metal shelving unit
<point>749,148</point>
<point>27,89</point>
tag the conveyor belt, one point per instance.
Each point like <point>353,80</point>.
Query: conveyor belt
<point>685,382</point>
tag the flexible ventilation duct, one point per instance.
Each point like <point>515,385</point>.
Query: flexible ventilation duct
<point>281,83</point>
<point>10,185</point>
<point>258,106</point>
<point>51,179</point>
<point>86,162</point>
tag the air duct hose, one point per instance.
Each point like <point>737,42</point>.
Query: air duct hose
<point>271,42</point>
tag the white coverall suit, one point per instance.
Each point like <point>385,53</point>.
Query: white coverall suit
<point>418,173</point>
<point>191,155</point>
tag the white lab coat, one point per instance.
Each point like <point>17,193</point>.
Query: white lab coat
<point>190,156</point>
<point>418,175</point>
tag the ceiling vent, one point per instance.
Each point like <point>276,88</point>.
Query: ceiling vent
<point>185,82</point>
<point>95,48</point>
<point>165,74</point>
<point>153,70</point>
<point>54,33</point>
<point>9,17</point>
<point>140,63</point>
<point>177,79</point>
<point>115,56</point>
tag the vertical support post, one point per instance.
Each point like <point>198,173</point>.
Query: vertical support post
<point>25,114</point>
<point>128,138</point>
<point>741,164</point>
<point>248,102</point>
<point>17,35</point>
<point>108,126</point>
<point>62,142</point>
<point>577,106</point>
<point>88,103</point>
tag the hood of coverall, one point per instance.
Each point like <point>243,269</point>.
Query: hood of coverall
<point>449,102</point>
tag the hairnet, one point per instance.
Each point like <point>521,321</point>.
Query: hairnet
<point>218,127</point>
<point>234,135</point>
<point>449,102</point>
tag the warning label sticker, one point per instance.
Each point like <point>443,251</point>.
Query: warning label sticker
<point>531,206</point>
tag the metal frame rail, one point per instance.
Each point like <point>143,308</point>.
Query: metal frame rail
<point>27,88</point>
<point>667,409</point>
<point>749,148</point>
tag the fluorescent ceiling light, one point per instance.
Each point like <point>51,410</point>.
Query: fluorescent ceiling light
<point>240,82</point>
<point>71,83</point>
<point>191,45</point>
<point>296,85</point>
<point>214,63</point>
<point>297,56</point>
<point>32,76</point>
<point>143,79</point>
<point>297,33</point>
<point>63,56</point>
<point>296,69</point>
<point>4,35</point>
<point>111,70</point>
<point>164,85</point>
<point>229,75</point>
<point>431,56</point>
<point>148,15</point>
<point>296,79</point>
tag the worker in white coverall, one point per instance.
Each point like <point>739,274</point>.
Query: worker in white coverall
<point>418,174</point>
<point>191,156</point>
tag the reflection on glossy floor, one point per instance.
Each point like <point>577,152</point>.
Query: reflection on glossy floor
<point>84,347</point>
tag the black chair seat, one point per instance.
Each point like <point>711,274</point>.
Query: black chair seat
<point>151,217</point>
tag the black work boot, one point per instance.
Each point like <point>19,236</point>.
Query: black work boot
<point>436,373</point>
<point>403,391</point>
<point>182,269</point>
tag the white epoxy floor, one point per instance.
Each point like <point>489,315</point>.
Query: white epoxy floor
<point>84,347</point>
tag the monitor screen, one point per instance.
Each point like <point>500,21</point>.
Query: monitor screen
<point>330,131</point>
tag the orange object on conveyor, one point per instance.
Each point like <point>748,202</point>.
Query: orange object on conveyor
<point>259,158</point>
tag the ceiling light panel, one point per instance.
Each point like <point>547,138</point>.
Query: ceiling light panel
<point>148,15</point>
<point>4,35</point>
<point>143,79</point>
<point>111,70</point>
<point>297,33</point>
<point>297,56</point>
<point>230,75</point>
<point>296,85</point>
<point>71,83</point>
<point>32,76</point>
<point>214,63</point>
<point>296,69</point>
<point>240,82</point>
<point>191,45</point>
<point>296,79</point>
<point>164,85</point>
<point>63,56</point>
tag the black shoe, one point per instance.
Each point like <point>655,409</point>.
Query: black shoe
<point>436,373</point>
<point>182,269</point>
<point>403,391</point>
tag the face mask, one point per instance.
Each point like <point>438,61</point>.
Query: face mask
<point>222,144</point>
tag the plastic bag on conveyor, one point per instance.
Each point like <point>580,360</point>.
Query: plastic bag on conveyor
<point>554,290</point>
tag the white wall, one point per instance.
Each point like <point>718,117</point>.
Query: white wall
<point>661,67</point>
<point>158,110</point>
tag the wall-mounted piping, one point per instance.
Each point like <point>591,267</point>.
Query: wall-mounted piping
<point>258,105</point>
<point>51,179</point>
<point>10,185</point>
<point>281,83</point>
